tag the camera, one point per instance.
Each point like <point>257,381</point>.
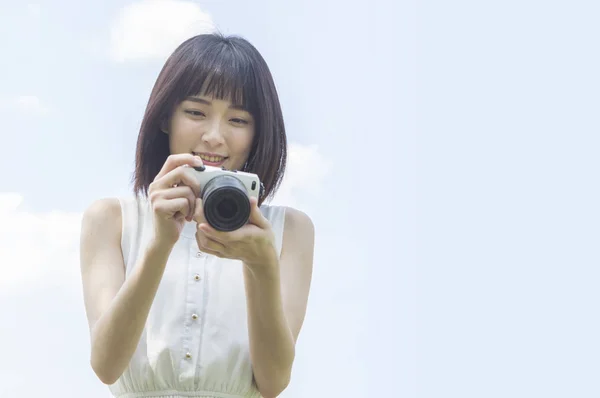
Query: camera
<point>226,196</point>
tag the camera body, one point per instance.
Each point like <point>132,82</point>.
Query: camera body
<point>205,174</point>
<point>226,195</point>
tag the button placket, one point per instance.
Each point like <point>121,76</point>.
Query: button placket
<point>195,293</point>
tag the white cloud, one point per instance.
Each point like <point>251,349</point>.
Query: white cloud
<point>36,248</point>
<point>152,29</point>
<point>306,172</point>
<point>31,104</point>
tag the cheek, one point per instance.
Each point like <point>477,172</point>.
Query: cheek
<point>245,142</point>
<point>180,133</point>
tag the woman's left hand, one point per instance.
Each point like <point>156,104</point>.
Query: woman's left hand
<point>253,243</point>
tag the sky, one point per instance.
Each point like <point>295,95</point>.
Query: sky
<point>75,78</point>
<point>446,152</point>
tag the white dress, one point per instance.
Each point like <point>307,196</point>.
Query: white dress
<point>195,342</point>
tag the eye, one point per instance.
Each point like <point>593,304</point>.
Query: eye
<point>239,121</point>
<point>195,113</point>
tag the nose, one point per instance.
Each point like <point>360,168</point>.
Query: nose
<point>213,136</point>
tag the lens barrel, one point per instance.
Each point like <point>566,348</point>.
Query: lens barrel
<point>225,203</point>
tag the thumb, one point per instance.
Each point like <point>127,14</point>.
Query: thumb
<point>256,216</point>
<point>199,212</point>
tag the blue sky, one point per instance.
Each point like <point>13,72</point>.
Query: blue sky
<point>448,156</point>
<point>508,199</point>
<point>75,79</point>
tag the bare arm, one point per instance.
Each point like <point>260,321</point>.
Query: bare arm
<point>116,308</point>
<point>277,295</point>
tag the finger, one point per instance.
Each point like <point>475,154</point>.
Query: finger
<point>171,207</point>
<point>199,212</point>
<point>256,216</point>
<point>206,244</point>
<point>179,192</point>
<point>182,175</point>
<point>177,160</point>
<point>217,236</point>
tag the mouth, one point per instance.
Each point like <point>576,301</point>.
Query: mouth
<point>211,159</point>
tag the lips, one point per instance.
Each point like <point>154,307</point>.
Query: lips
<point>211,159</point>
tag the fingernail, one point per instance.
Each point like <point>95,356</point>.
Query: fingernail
<point>198,160</point>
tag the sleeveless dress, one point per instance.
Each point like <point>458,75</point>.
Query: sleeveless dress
<point>195,342</point>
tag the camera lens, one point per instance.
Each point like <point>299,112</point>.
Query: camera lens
<point>227,208</point>
<point>225,202</point>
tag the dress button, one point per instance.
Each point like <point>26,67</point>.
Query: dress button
<point>199,254</point>
<point>194,316</point>
<point>196,277</point>
<point>188,355</point>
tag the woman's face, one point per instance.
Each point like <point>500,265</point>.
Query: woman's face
<point>220,132</point>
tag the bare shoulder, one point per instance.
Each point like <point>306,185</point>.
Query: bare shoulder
<point>105,211</point>
<point>100,228</point>
<point>299,230</point>
<point>102,219</point>
<point>296,266</point>
<point>298,220</point>
<point>101,258</point>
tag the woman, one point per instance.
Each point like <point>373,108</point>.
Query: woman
<point>175,307</point>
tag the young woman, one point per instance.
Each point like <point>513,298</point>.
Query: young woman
<point>175,307</point>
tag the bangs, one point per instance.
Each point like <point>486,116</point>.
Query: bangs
<point>223,73</point>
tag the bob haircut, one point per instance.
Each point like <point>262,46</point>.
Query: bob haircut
<point>223,67</point>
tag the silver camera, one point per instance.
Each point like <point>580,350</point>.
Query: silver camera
<point>226,195</point>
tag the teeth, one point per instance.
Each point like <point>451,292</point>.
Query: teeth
<point>212,159</point>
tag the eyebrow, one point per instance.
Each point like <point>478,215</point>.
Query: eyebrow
<point>205,102</point>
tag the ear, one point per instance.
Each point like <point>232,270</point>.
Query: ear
<point>163,126</point>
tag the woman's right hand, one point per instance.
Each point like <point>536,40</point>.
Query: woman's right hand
<point>173,196</point>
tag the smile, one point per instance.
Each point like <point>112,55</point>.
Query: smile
<point>210,159</point>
